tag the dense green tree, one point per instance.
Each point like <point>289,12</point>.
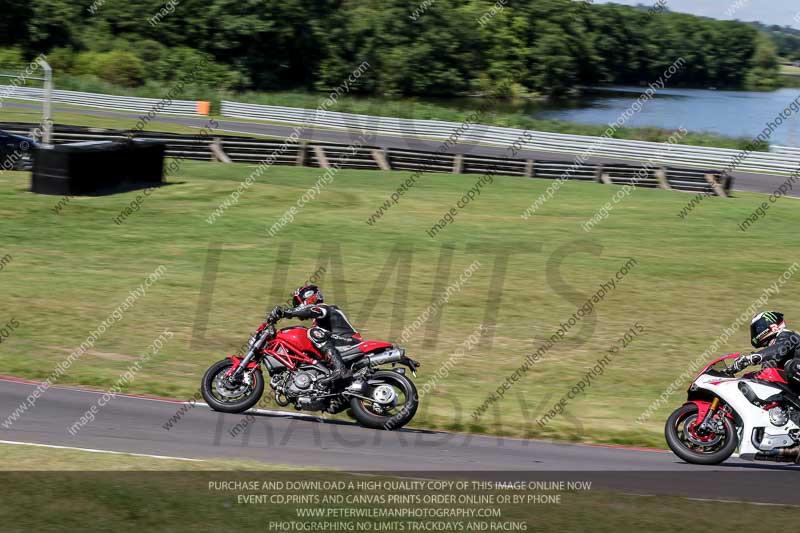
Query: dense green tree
<point>423,47</point>
<point>14,18</point>
<point>764,65</point>
<point>52,23</point>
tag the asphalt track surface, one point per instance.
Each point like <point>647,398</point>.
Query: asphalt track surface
<point>743,181</point>
<point>136,425</point>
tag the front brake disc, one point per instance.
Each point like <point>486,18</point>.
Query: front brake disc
<point>224,388</point>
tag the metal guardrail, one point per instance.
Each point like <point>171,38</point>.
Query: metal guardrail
<point>788,150</point>
<point>317,154</point>
<point>107,101</point>
<point>688,156</point>
<point>780,160</point>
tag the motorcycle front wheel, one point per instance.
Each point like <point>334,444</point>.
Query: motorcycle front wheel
<point>693,448</point>
<point>227,397</point>
<point>392,401</point>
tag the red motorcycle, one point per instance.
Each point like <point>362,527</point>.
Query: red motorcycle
<point>379,398</point>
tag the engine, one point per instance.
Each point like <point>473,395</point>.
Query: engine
<point>781,415</point>
<point>300,388</point>
<point>301,383</point>
<point>793,414</point>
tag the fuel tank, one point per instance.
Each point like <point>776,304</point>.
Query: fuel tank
<point>297,338</point>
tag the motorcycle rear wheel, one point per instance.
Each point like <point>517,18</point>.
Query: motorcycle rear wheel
<point>393,418</point>
<point>250,391</point>
<point>675,431</point>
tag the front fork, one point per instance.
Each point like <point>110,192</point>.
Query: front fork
<point>702,428</point>
<point>236,375</point>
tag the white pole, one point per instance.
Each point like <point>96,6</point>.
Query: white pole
<point>47,119</point>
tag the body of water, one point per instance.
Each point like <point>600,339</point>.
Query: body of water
<point>731,113</point>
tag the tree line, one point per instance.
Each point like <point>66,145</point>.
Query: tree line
<point>430,47</point>
<point>786,39</point>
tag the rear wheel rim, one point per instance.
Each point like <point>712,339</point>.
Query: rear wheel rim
<point>385,404</point>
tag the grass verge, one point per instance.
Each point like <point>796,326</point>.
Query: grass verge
<point>68,118</point>
<point>790,70</point>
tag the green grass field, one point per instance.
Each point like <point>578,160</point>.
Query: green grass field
<point>67,272</point>
<point>790,70</point>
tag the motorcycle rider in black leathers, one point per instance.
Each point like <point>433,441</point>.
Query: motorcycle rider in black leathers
<point>330,327</point>
<point>779,347</point>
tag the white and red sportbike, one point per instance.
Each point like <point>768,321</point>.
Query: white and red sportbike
<point>757,413</point>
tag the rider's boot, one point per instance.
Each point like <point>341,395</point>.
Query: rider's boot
<point>340,372</point>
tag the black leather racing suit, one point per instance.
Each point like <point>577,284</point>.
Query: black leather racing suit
<point>329,330</point>
<point>784,352</point>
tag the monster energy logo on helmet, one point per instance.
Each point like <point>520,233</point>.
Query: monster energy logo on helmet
<point>763,326</point>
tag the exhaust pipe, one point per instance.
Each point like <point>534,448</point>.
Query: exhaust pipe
<point>391,356</point>
<point>781,455</point>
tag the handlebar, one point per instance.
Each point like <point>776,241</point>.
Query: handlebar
<point>274,320</point>
<point>735,368</point>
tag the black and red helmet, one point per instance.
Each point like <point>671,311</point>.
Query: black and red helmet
<point>307,295</point>
<point>764,327</point>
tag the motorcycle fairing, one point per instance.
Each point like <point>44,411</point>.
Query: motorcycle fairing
<point>752,416</point>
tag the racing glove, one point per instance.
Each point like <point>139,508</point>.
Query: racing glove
<point>745,361</point>
<point>276,314</point>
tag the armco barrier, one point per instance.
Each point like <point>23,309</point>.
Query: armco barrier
<point>787,150</point>
<point>681,155</point>
<point>107,101</point>
<point>253,151</point>
<point>780,160</point>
